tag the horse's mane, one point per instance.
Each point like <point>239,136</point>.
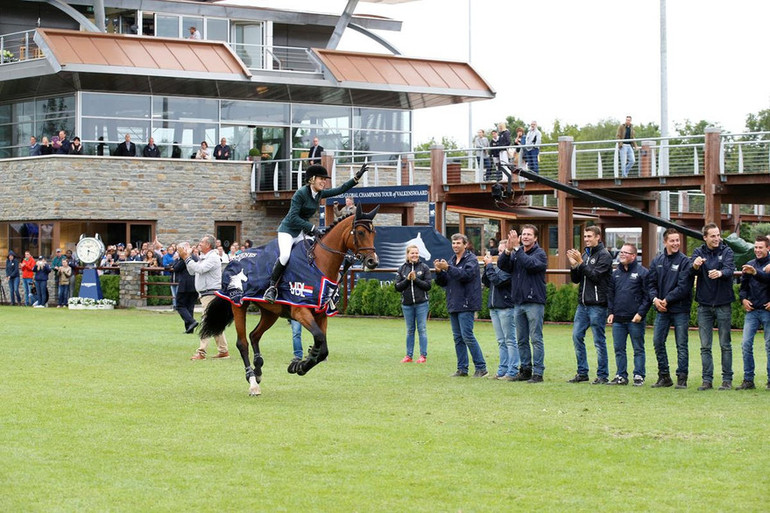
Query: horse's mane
<point>335,223</point>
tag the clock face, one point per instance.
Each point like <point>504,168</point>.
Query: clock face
<point>89,250</point>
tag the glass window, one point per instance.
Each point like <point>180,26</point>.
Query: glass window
<point>166,25</point>
<point>338,140</point>
<point>55,107</point>
<point>217,29</point>
<point>116,105</point>
<point>114,130</point>
<point>185,134</point>
<point>191,21</point>
<point>321,116</point>
<point>239,140</point>
<point>185,109</point>
<point>258,112</point>
<point>381,119</point>
<point>382,142</point>
<point>5,113</point>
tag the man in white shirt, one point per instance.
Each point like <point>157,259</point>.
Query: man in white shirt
<point>208,279</point>
<point>194,34</point>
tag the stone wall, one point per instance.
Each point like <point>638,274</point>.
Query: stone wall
<point>184,197</point>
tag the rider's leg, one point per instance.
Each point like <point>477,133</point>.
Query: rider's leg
<point>285,242</point>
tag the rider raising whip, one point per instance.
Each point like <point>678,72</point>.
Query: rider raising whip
<point>296,225</point>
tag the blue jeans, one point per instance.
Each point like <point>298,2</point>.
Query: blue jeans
<point>753,320</point>
<point>504,322</point>
<point>416,317</point>
<point>42,292</point>
<point>530,156</point>
<point>706,316</point>
<point>663,322</point>
<point>620,332</point>
<point>13,287</point>
<point>596,318</point>
<point>465,340</point>
<point>627,159</point>
<point>296,338</point>
<point>64,294</point>
<point>28,290</point>
<point>529,330</point>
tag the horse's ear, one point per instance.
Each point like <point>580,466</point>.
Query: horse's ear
<point>370,215</point>
<point>359,211</point>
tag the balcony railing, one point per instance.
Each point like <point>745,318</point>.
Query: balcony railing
<point>18,47</point>
<point>278,58</point>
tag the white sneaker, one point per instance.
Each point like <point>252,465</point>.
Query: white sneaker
<point>638,380</point>
<point>38,306</point>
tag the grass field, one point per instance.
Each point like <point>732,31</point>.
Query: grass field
<point>103,411</point>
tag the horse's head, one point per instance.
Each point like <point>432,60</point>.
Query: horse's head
<point>362,241</point>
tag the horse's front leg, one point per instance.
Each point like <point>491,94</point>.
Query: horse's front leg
<point>320,349</point>
<point>239,314</point>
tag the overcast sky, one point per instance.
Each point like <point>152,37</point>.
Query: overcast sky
<point>582,61</point>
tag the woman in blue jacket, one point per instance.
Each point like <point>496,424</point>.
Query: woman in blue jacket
<point>42,270</point>
<point>12,273</point>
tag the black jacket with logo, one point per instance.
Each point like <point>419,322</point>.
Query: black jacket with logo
<point>593,275</point>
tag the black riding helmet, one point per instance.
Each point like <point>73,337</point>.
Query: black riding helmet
<point>316,170</point>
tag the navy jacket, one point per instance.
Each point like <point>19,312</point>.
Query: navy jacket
<point>499,283</point>
<point>627,294</point>
<point>593,275</point>
<point>527,270</point>
<point>463,284</point>
<point>717,292</point>
<point>755,287</point>
<point>12,267</point>
<point>183,277</point>
<point>670,279</point>
<point>42,274</point>
<point>413,292</point>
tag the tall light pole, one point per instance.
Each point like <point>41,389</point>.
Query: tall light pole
<point>665,205</point>
<point>470,104</point>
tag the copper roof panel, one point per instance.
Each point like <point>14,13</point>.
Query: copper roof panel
<point>403,71</point>
<point>69,47</point>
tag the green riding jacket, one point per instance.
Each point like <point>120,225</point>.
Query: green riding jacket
<point>304,206</point>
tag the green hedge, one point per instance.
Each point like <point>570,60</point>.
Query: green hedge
<point>369,297</point>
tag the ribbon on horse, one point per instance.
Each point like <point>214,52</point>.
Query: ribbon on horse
<point>247,276</point>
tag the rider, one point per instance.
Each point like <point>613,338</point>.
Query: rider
<point>296,225</point>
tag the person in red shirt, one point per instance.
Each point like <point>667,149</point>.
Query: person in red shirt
<point>28,277</point>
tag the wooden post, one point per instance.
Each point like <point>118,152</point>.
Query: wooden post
<point>565,204</point>
<point>646,154</point>
<point>437,185</point>
<point>712,185</point>
<point>650,234</point>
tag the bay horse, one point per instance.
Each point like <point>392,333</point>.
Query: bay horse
<point>354,233</point>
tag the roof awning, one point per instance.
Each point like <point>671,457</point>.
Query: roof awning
<point>428,82</point>
<point>73,51</point>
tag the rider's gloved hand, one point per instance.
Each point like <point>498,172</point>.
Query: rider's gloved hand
<point>361,172</point>
<point>315,232</point>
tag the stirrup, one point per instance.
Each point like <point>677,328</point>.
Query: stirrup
<point>271,294</point>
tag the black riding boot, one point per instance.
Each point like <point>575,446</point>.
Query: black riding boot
<point>272,291</point>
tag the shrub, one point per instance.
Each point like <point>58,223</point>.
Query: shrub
<point>158,286</point>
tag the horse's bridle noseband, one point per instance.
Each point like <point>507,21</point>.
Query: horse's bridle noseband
<point>359,251</point>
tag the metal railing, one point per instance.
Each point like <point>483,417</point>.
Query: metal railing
<point>280,58</point>
<point>747,152</point>
<point>18,47</point>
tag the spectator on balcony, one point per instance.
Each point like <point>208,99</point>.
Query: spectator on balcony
<point>481,143</point>
<point>176,151</point>
<point>126,148</point>
<point>55,144</point>
<point>34,147</point>
<point>45,146</point>
<point>505,140</point>
<point>203,153</point>
<point>519,141</point>
<point>194,34</point>
<point>100,147</point>
<point>494,155</point>
<point>151,150</point>
<point>349,208</point>
<point>222,150</point>
<point>532,148</point>
<point>76,148</point>
<point>626,135</point>
<point>315,152</point>
<point>64,144</point>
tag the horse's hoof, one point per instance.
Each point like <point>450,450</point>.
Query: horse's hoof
<point>255,392</point>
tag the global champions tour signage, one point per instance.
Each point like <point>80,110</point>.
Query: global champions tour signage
<point>377,195</point>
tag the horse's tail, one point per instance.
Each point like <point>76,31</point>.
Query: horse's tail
<point>217,317</point>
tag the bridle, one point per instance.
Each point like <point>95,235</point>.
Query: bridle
<point>360,252</point>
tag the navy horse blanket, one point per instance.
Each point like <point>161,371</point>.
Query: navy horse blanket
<point>247,276</point>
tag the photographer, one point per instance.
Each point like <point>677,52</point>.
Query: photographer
<point>42,270</point>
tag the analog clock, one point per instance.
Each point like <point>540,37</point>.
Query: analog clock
<point>90,249</point>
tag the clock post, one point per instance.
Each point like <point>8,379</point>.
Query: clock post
<point>90,251</point>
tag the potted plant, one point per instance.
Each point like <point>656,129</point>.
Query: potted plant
<point>254,152</point>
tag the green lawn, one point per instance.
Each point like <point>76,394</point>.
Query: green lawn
<point>103,411</point>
